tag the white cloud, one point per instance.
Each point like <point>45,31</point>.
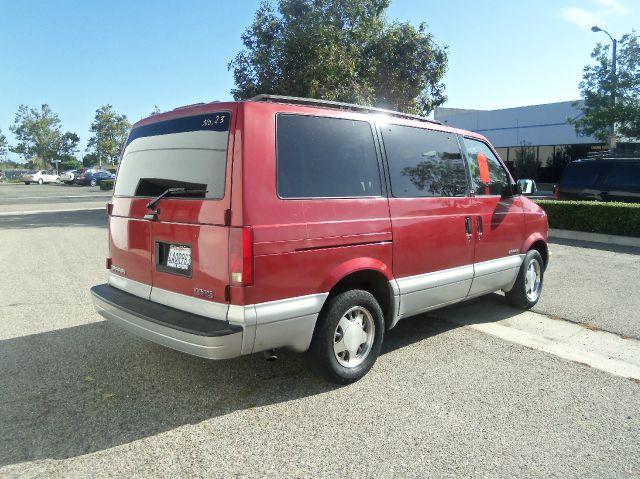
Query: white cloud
<point>612,7</point>
<point>599,11</point>
<point>581,17</point>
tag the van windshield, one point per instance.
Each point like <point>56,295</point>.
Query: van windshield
<point>186,153</point>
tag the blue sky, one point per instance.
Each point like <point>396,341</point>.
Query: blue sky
<point>79,55</point>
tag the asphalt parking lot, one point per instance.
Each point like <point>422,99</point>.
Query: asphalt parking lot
<point>79,398</point>
<point>21,198</point>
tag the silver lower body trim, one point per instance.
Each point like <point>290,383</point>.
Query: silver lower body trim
<point>278,324</point>
<point>190,304</point>
<point>220,347</point>
<point>496,274</point>
<point>425,292</point>
<point>130,286</point>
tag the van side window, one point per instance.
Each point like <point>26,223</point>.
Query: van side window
<point>487,173</point>
<point>424,162</point>
<point>322,157</point>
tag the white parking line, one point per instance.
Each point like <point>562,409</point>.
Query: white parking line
<point>64,210</point>
<point>53,197</point>
<point>598,349</point>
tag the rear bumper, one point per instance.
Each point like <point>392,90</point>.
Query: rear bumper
<point>186,332</point>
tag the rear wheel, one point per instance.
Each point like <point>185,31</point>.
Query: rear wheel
<point>348,337</point>
<point>528,286</point>
<point>40,181</point>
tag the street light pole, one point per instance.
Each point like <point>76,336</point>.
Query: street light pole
<point>612,140</point>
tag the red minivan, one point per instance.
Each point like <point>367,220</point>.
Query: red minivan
<point>316,226</point>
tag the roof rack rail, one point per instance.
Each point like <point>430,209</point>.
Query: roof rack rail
<point>608,155</point>
<point>188,106</point>
<point>338,105</point>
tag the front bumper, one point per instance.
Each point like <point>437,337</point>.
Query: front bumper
<point>186,332</point>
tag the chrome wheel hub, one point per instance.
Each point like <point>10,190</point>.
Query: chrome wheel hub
<point>353,337</point>
<point>533,280</point>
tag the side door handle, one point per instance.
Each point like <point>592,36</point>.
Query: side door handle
<point>479,226</point>
<point>468,227</point>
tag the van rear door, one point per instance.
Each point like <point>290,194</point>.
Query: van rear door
<point>188,160</point>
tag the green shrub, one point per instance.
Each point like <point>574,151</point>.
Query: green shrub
<point>106,184</point>
<point>594,216</point>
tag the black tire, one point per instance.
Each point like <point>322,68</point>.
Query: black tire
<point>321,356</point>
<point>93,183</point>
<point>40,181</point>
<point>27,182</point>
<point>525,293</point>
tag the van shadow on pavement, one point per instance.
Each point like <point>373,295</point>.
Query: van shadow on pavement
<point>88,388</point>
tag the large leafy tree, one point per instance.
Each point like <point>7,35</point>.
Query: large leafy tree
<point>4,147</point>
<point>39,136</point>
<point>109,133</point>
<point>597,86</point>
<point>342,50</point>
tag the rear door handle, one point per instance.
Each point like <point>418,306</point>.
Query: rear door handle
<point>479,226</point>
<point>468,227</point>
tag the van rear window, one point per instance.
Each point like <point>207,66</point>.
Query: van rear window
<point>623,176</point>
<point>581,174</point>
<point>186,152</point>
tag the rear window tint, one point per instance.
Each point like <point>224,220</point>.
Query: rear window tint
<point>623,176</point>
<point>186,152</point>
<point>583,174</point>
<point>320,157</point>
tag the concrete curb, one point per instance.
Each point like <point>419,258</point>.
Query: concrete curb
<point>594,237</point>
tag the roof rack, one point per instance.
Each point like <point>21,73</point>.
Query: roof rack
<point>337,105</point>
<point>608,155</point>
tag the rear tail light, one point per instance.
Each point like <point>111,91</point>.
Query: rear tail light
<point>556,192</point>
<point>109,208</point>
<point>241,256</point>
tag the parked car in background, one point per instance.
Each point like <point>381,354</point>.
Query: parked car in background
<point>607,179</point>
<point>40,177</point>
<point>93,177</point>
<point>240,227</point>
<point>527,186</point>
<point>68,176</point>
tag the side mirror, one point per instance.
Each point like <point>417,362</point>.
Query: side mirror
<point>527,187</point>
<point>517,189</point>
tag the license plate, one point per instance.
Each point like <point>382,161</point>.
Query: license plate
<point>179,257</point>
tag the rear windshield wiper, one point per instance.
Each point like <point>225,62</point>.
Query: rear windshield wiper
<point>172,191</point>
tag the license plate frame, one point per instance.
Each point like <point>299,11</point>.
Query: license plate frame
<point>174,258</point>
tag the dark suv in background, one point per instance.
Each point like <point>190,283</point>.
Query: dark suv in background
<point>606,179</point>
<point>92,177</point>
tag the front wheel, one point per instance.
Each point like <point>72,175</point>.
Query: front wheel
<point>27,182</point>
<point>348,337</point>
<point>528,286</point>
<point>93,183</point>
<point>40,181</point>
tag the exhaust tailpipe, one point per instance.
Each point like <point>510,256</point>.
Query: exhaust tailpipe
<point>270,355</point>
